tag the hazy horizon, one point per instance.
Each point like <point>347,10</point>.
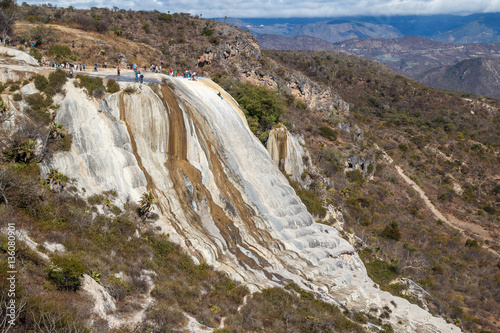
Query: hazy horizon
<point>295,8</point>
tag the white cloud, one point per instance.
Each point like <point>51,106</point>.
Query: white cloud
<point>295,8</point>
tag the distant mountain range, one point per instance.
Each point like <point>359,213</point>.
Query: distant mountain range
<point>475,28</point>
<point>339,30</point>
<point>446,51</point>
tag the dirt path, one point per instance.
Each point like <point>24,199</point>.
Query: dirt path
<point>464,227</point>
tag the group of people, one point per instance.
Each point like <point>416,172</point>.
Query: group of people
<point>186,74</point>
<point>139,76</point>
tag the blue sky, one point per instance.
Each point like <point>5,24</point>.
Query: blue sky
<point>294,8</point>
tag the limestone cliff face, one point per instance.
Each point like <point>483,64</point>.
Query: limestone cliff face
<point>288,152</point>
<point>219,193</point>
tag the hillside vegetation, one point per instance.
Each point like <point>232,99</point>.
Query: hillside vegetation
<point>447,143</point>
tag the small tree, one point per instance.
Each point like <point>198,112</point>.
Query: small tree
<point>8,14</point>
<point>41,34</point>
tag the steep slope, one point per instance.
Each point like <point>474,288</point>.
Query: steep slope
<point>219,193</point>
<point>474,76</point>
<point>444,142</point>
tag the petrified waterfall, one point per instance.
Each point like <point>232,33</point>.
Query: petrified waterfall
<point>219,193</point>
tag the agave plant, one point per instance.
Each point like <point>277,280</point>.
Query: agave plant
<point>56,180</point>
<point>25,151</point>
<point>146,202</point>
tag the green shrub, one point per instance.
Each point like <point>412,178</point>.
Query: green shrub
<point>66,272</point>
<point>391,231</point>
<point>95,199</point>
<point>64,143</point>
<point>262,107</point>
<point>93,85</point>
<point>112,86</point>
<point>489,209</point>
<point>36,54</point>
<point>214,40</point>
<point>61,53</point>
<point>206,32</point>
<point>471,243</point>
<point>57,80</point>
<point>38,107</point>
<point>165,17</point>
<point>311,200</point>
<point>17,97</point>
<point>118,287</point>
<point>403,147</point>
<point>355,177</point>
<point>14,87</point>
<point>41,82</point>
<point>117,31</point>
<point>381,272</point>
<point>129,90</point>
<point>328,133</point>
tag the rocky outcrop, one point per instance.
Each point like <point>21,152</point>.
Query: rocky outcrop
<point>288,152</point>
<point>18,56</point>
<point>315,97</point>
<point>355,162</point>
<point>243,44</point>
<point>219,193</point>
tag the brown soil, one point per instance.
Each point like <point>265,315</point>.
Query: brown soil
<point>88,46</point>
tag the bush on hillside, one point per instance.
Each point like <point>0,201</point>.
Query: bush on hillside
<point>93,85</point>
<point>36,54</point>
<point>61,53</point>
<point>112,86</point>
<point>57,80</point>
<point>41,82</point>
<point>66,272</point>
<point>391,231</point>
<point>328,133</point>
<point>355,177</point>
<point>263,107</point>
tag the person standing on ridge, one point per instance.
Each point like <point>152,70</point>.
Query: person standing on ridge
<point>118,71</point>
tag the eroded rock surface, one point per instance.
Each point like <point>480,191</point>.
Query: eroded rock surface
<point>220,194</point>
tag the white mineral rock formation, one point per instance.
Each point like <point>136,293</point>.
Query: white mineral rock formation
<point>288,152</point>
<point>220,194</point>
